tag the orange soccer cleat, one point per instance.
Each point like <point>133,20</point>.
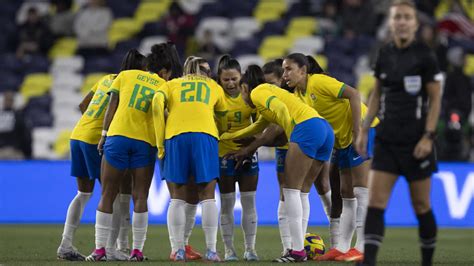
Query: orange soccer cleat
<point>331,255</point>
<point>352,255</point>
<point>191,254</point>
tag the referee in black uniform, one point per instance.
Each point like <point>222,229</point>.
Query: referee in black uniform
<point>406,98</point>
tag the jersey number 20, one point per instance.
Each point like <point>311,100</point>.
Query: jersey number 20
<point>193,92</point>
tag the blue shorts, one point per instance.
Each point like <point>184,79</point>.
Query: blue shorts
<point>191,154</point>
<point>126,153</point>
<point>349,158</point>
<point>227,167</point>
<point>315,138</point>
<point>85,160</point>
<point>280,156</point>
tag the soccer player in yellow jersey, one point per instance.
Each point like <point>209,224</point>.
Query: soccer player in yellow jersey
<point>310,144</point>
<point>239,116</point>
<point>341,106</point>
<point>85,159</point>
<point>130,143</point>
<point>273,73</point>
<point>188,144</point>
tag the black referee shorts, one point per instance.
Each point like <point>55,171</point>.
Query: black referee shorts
<point>398,159</point>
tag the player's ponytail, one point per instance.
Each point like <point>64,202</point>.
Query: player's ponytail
<point>253,77</point>
<point>192,66</point>
<point>313,66</point>
<point>225,63</point>
<point>133,60</point>
<point>164,56</point>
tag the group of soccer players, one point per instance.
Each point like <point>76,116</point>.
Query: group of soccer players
<point>206,132</point>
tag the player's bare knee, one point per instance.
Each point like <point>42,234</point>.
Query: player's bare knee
<point>421,205</point>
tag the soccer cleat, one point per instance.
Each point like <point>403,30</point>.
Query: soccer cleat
<point>136,255</point>
<point>230,255</point>
<point>331,255</point>
<point>70,254</point>
<point>97,255</point>
<point>292,257</point>
<point>250,255</point>
<point>212,256</point>
<point>352,255</point>
<point>116,255</point>
<point>191,254</point>
<point>179,255</point>
<point>286,252</point>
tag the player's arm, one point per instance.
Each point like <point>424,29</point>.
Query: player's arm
<point>372,110</point>
<point>158,109</point>
<point>85,102</point>
<point>220,111</point>
<point>251,130</point>
<point>354,99</point>
<point>282,114</point>
<point>114,99</point>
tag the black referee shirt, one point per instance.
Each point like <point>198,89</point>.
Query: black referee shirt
<point>403,75</point>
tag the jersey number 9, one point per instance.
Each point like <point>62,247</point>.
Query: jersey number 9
<point>192,94</point>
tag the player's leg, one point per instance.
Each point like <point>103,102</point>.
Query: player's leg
<point>176,219</point>
<point>380,188</point>
<point>209,218</point>
<point>283,227</point>
<point>227,192</point>
<point>192,201</point>
<point>248,185</point>
<point>307,184</point>
<point>125,196</point>
<point>324,189</point>
<point>336,205</point>
<point>420,191</point>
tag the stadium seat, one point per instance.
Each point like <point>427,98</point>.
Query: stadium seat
<point>10,80</point>
<point>148,42</point>
<point>41,6</point>
<point>98,64</point>
<point>244,27</point>
<point>220,28</point>
<point>365,85</point>
<point>61,144</point>
<point>148,11</point>
<point>67,80</point>
<point>269,10</point>
<point>301,27</point>
<point>35,85</point>
<point>67,64</point>
<point>308,45</point>
<point>90,80</point>
<point>43,139</point>
<point>63,47</point>
<point>35,63</point>
<point>469,67</point>
<point>123,29</point>
<point>274,46</point>
<point>65,117</point>
<point>246,60</point>
<point>191,6</point>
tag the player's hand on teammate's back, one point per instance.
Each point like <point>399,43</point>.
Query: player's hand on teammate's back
<point>423,148</point>
<point>239,156</point>
<point>100,146</point>
<point>244,142</point>
<point>361,143</point>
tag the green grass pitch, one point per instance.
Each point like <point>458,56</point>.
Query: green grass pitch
<point>37,244</point>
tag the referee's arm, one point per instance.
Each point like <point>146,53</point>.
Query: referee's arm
<point>425,145</point>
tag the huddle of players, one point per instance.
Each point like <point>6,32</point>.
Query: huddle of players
<point>152,107</point>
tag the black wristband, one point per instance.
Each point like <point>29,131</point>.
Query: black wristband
<point>430,135</point>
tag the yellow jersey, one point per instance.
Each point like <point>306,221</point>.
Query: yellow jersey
<point>239,116</point>
<point>275,105</point>
<point>89,127</point>
<point>193,103</point>
<point>133,118</point>
<point>323,93</point>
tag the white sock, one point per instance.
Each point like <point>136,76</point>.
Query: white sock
<point>347,224</point>
<point>122,240</point>
<point>334,232</point>
<point>139,228</point>
<point>283,226</point>
<point>227,219</point>
<point>103,225</point>
<point>114,230</point>
<point>362,196</point>
<point>176,223</point>
<point>249,219</point>
<point>73,217</point>
<point>306,211</point>
<point>294,211</point>
<point>210,217</point>
<point>190,210</point>
<point>326,200</point>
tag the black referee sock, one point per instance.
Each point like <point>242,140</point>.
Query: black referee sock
<point>427,231</point>
<point>374,232</point>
